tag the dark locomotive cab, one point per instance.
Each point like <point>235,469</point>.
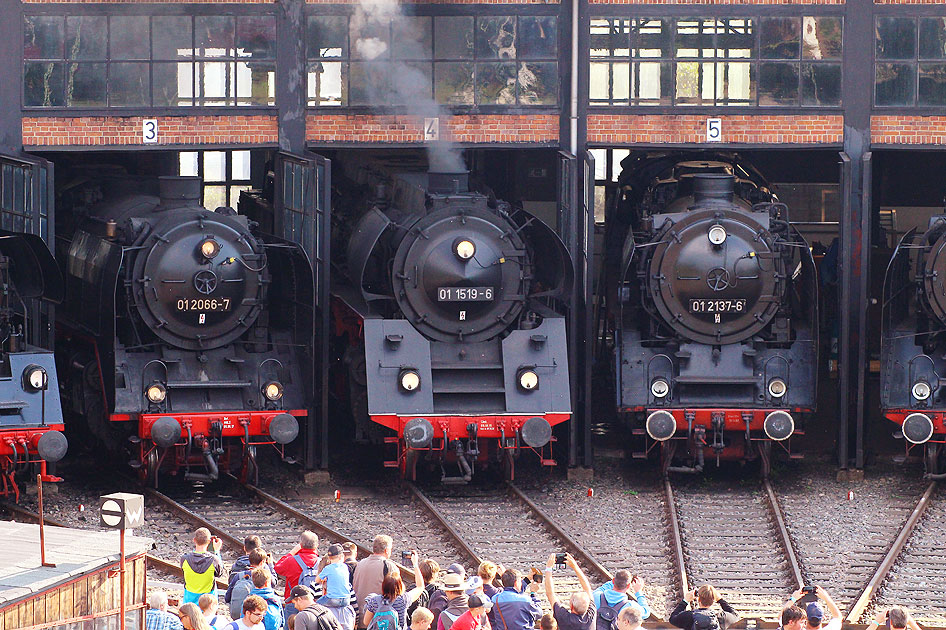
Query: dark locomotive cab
<point>715,325</point>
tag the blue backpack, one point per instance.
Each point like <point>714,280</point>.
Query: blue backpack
<point>309,576</point>
<point>386,618</point>
<point>274,618</point>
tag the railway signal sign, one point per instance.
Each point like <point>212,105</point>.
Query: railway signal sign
<point>122,510</point>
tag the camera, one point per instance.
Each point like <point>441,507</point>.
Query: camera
<point>560,559</point>
<point>811,588</point>
<point>406,558</point>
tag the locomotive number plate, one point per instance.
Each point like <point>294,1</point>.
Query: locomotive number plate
<point>204,304</point>
<point>717,306</point>
<point>464,294</point>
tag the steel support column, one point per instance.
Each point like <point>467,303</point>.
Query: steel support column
<point>11,80</point>
<point>290,74</point>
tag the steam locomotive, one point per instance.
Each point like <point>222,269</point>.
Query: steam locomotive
<point>31,423</point>
<point>180,337</point>
<point>715,327</point>
<point>459,347</point>
<point>913,343</point>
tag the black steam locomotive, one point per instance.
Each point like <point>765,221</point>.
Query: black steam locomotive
<point>913,342</point>
<point>31,424</point>
<point>463,352</point>
<point>716,320</point>
<point>180,330</point>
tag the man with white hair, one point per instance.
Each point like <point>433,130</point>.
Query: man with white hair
<point>580,614</point>
<point>631,617</point>
<point>158,617</point>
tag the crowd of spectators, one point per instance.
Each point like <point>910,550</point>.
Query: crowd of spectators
<point>339,592</point>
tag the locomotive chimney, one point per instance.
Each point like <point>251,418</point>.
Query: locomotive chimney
<point>448,183</point>
<point>713,188</point>
<point>179,191</point>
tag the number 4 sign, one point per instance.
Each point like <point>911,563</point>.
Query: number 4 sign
<point>714,129</point>
<point>149,130</point>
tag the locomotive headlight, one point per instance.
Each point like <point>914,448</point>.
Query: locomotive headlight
<point>209,248</point>
<point>921,390</point>
<point>273,391</point>
<point>409,380</point>
<point>777,388</point>
<point>156,393</point>
<point>35,378</point>
<point>717,234</point>
<point>465,249</point>
<point>528,379</point>
<point>659,388</point>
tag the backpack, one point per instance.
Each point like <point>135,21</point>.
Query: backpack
<point>239,593</point>
<point>309,575</point>
<point>385,618</point>
<point>422,600</point>
<point>607,616</point>
<point>704,619</point>
<point>274,618</point>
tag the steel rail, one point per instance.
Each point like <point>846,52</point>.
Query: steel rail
<point>192,516</point>
<point>578,551</point>
<point>867,595</point>
<point>783,533</point>
<point>440,518</point>
<point>676,538</point>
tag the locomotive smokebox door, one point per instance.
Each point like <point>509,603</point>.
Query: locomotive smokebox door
<point>122,510</point>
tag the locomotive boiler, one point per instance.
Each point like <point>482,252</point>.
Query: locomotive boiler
<point>31,422</point>
<point>715,332</point>
<point>179,337</point>
<point>913,343</point>
<point>461,353</point>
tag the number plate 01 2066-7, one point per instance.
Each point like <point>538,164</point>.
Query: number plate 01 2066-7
<point>717,306</point>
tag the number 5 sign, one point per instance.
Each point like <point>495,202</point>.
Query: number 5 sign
<point>149,130</point>
<point>714,129</point>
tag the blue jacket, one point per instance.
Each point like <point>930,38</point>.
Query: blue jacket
<point>519,611</point>
<point>274,618</point>
<point>617,600</point>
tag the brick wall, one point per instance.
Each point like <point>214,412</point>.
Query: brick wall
<point>748,3</point>
<point>143,1</point>
<point>541,128</point>
<point>908,129</point>
<point>679,129</point>
<point>118,130</point>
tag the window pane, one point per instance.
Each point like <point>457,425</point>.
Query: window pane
<point>215,196</point>
<point>821,84</point>
<point>171,37</point>
<point>327,36</point>
<point>538,83</point>
<point>412,38</point>
<point>932,84</point>
<point>129,37</point>
<point>778,84</point>
<point>495,83</point>
<point>85,37</point>
<point>610,37</point>
<point>538,37</point>
<point>235,195</point>
<point>173,84</point>
<point>188,163</point>
<point>43,84</point>
<point>453,37</point>
<point>735,84</point>
<point>453,83</point>
<point>256,37</point>
<point>496,37</point>
<point>736,38</point>
<point>653,82</point>
<point>326,83</point>
<point>85,84</point>
<point>780,38</point>
<point>215,82</point>
<point>240,165</point>
<point>215,163</point>
<point>410,82</point>
<point>821,38</point>
<point>896,38</point>
<point>652,38</point>
<point>368,83</point>
<point>933,38</point>
<point>42,37</point>
<point>256,83</point>
<point>599,83</point>
<point>369,40</point>
<point>213,36</point>
<point>693,36</point>
<point>128,84</point>
<point>894,84</point>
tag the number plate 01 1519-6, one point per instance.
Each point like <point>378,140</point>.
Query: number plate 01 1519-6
<point>718,306</point>
<point>465,294</point>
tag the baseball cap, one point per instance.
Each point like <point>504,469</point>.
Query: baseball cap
<point>334,550</point>
<point>452,582</point>
<point>815,613</point>
<point>300,590</point>
<point>457,568</point>
<point>472,584</point>
<point>475,601</point>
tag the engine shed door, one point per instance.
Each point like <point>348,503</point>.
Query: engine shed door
<point>303,216</point>
<point>27,198</point>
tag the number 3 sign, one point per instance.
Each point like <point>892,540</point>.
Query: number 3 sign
<point>149,130</point>
<point>714,130</point>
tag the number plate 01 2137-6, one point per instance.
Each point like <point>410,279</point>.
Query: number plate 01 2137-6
<point>718,306</point>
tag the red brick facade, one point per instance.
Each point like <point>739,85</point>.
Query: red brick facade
<point>908,129</point>
<point>473,129</point>
<point>680,129</point>
<point>172,130</point>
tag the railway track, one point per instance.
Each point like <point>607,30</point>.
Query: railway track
<point>735,539</point>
